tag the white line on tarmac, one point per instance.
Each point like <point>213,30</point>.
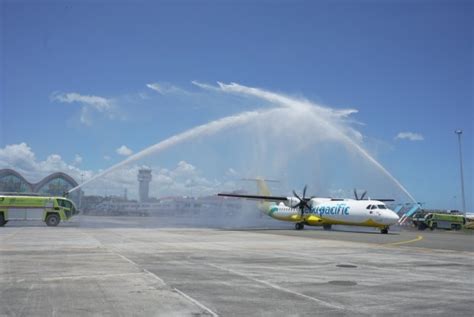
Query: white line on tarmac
<point>319,301</point>
<point>192,300</point>
<point>138,267</point>
<point>195,302</point>
<point>69,277</point>
<point>91,276</point>
<point>112,251</point>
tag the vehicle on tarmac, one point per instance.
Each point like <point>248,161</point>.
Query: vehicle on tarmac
<point>51,210</point>
<point>325,212</point>
<point>469,221</point>
<point>439,221</point>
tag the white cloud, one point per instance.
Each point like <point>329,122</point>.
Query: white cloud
<point>164,88</point>
<point>185,168</point>
<point>411,136</point>
<point>19,156</point>
<point>205,86</point>
<point>88,103</point>
<point>99,103</point>
<point>124,151</point>
<point>143,96</point>
<point>156,87</point>
<point>183,179</point>
<point>77,159</point>
<point>22,159</point>
<point>231,172</point>
<point>107,158</point>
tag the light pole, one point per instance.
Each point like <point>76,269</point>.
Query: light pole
<point>80,191</point>
<point>459,132</point>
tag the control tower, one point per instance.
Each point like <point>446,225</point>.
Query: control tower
<point>144,179</point>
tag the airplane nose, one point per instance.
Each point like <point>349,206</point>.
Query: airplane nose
<point>393,216</point>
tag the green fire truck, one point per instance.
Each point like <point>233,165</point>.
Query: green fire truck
<point>51,210</point>
<point>439,221</point>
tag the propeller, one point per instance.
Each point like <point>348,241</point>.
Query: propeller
<point>361,196</point>
<point>303,201</point>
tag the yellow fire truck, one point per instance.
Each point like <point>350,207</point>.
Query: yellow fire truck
<point>51,210</point>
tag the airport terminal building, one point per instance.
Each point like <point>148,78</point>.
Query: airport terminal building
<point>54,184</point>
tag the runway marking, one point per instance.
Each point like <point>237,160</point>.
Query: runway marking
<point>280,288</point>
<point>114,252</point>
<point>77,277</point>
<point>138,267</point>
<point>419,238</point>
<point>196,302</point>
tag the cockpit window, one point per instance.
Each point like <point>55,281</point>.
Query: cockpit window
<point>381,206</point>
<point>368,207</point>
<point>373,207</point>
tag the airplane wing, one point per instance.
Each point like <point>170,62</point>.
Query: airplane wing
<point>383,199</point>
<point>255,197</point>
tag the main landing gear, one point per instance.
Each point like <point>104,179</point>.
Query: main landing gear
<point>299,226</point>
<point>327,227</point>
<point>384,230</point>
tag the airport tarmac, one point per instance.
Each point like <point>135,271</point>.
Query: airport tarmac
<point>105,266</point>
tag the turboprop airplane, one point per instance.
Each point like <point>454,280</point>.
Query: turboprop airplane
<point>323,212</point>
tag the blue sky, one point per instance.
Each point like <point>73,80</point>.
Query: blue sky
<point>405,66</point>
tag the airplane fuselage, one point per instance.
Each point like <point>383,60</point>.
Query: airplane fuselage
<point>325,211</point>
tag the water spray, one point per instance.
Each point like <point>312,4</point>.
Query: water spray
<point>329,119</point>
<point>205,129</point>
<point>323,114</point>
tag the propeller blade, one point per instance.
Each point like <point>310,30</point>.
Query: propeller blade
<point>363,195</point>
<point>303,201</point>
<point>296,195</point>
<point>355,194</point>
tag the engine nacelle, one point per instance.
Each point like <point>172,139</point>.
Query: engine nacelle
<point>293,202</point>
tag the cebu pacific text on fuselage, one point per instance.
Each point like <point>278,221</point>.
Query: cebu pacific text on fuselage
<point>339,209</point>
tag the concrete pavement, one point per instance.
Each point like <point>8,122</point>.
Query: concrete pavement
<point>80,270</point>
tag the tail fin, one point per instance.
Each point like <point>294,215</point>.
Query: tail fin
<point>263,190</point>
<point>263,187</point>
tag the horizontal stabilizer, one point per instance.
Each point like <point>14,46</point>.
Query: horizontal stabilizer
<point>261,179</point>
